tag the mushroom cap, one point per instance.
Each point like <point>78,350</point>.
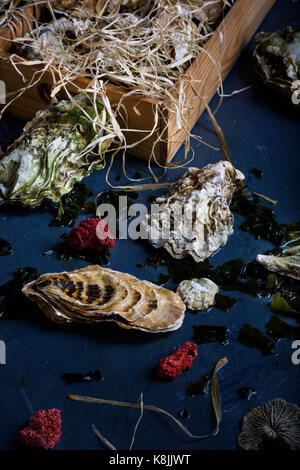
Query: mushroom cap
<point>276,420</point>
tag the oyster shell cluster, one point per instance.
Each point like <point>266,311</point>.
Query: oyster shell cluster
<point>95,294</point>
<point>194,217</point>
<point>277,58</point>
<point>58,148</point>
<point>287,264</point>
<point>198,294</point>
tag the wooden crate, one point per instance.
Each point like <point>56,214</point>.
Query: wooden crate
<point>237,28</point>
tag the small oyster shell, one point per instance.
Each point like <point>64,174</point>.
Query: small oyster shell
<point>198,294</point>
<point>202,199</point>
<point>277,59</point>
<point>96,294</point>
<point>287,264</point>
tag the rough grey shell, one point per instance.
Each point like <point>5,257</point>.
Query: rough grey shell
<point>287,264</point>
<point>198,294</point>
<point>277,61</point>
<point>198,208</point>
<point>96,294</point>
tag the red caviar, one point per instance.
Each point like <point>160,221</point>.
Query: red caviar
<point>43,430</point>
<point>170,367</point>
<point>91,233</point>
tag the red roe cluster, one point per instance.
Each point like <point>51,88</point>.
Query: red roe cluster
<point>91,233</point>
<point>43,430</point>
<point>170,367</point>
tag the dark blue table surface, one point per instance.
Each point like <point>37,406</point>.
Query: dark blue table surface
<point>262,132</point>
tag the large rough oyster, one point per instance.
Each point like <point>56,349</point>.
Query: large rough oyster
<point>194,216</point>
<point>277,57</point>
<point>287,264</point>
<point>58,148</point>
<point>198,294</point>
<point>96,294</point>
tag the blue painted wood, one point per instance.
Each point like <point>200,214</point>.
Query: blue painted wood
<point>262,132</point>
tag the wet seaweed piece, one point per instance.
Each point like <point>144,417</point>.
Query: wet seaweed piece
<point>113,198</point>
<point>278,329</point>
<point>183,414</point>
<point>65,252</point>
<point>162,279</point>
<point>260,220</point>
<point>246,393</point>
<point>210,334</point>
<point>5,248</point>
<point>254,338</point>
<point>257,173</point>
<point>224,302</point>
<point>235,275</point>
<point>198,388</point>
<point>71,206</point>
<point>89,208</point>
<point>286,296</point>
<point>72,378</point>
<point>12,299</point>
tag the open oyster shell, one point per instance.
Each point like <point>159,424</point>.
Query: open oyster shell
<point>194,216</point>
<point>198,294</point>
<point>277,61</point>
<point>96,294</point>
<point>287,264</point>
<point>58,148</point>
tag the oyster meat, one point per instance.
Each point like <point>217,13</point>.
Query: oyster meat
<point>96,294</point>
<point>198,294</point>
<point>58,148</point>
<point>194,216</point>
<point>287,264</point>
<point>277,61</point>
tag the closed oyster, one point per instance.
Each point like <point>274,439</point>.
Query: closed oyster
<point>58,148</point>
<point>277,58</point>
<point>96,294</point>
<point>194,216</point>
<point>198,294</point>
<point>287,264</point>
<point>47,37</point>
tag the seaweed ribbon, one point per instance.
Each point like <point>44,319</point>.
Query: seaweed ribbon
<point>215,398</point>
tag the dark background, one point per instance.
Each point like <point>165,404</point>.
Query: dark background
<point>262,132</point>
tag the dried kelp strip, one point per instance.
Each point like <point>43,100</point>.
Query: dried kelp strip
<point>102,438</point>
<point>138,421</point>
<point>215,398</point>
